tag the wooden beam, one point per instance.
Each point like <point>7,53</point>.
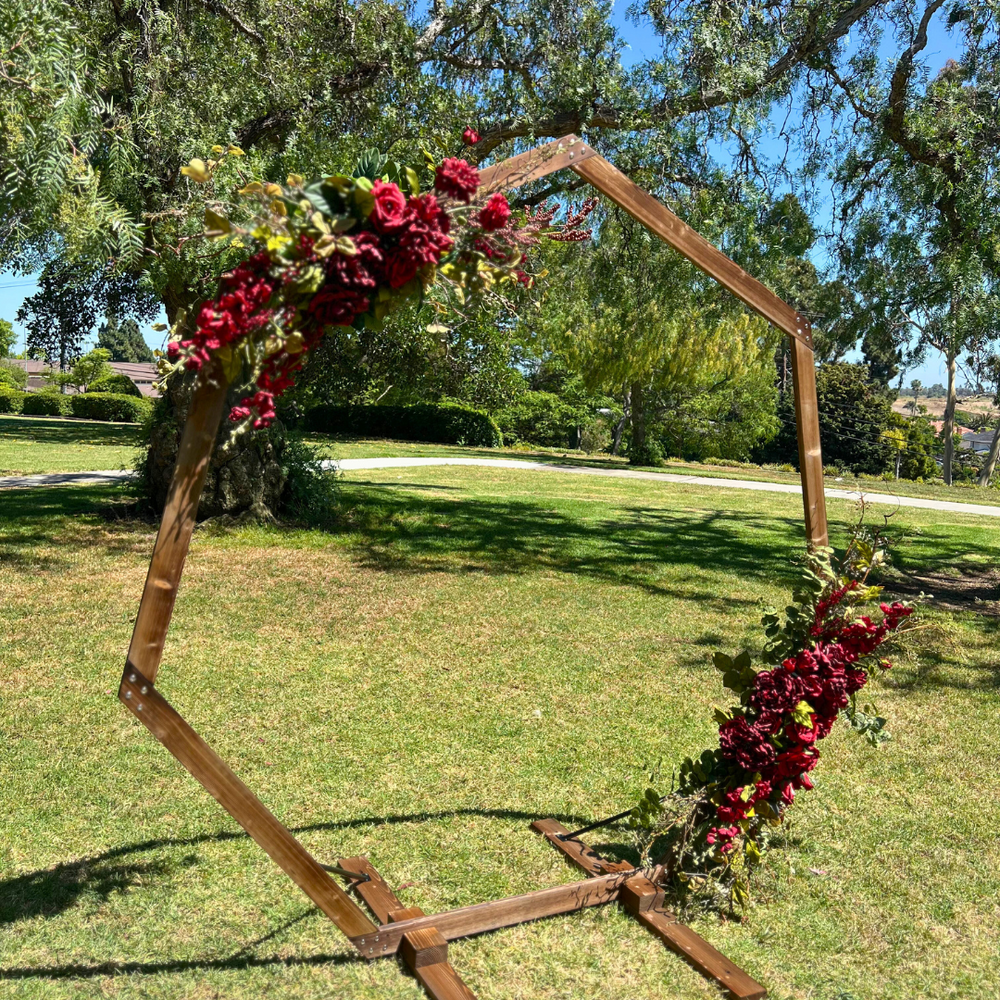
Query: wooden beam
<point>576,851</point>
<point>438,977</point>
<point>141,698</point>
<point>172,540</point>
<point>644,900</point>
<point>521,169</point>
<point>643,207</point>
<point>478,919</point>
<point>810,452</point>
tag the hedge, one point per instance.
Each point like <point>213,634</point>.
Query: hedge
<point>114,382</point>
<point>111,406</point>
<point>541,418</point>
<point>46,404</point>
<point>440,423</point>
<point>11,400</point>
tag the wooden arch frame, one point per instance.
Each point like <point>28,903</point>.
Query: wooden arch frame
<point>422,940</point>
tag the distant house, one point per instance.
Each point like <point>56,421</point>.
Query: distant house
<point>978,442</point>
<point>142,375</point>
<point>959,429</point>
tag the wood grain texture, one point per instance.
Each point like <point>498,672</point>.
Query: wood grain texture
<point>422,947</point>
<point>810,452</point>
<point>142,699</point>
<point>700,954</point>
<point>576,851</point>
<point>644,900</point>
<point>483,917</point>
<point>643,207</point>
<point>378,897</point>
<point>179,513</point>
<point>435,974</point>
<point>535,163</point>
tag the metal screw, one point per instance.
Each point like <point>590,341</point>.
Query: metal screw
<point>144,689</point>
<point>371,951</point>
<point>131,677</point>
<point>128,694</point>
<point>138,707</point>
<point>571,155</point>
<point>384,947</point>
<point>376,937</point>
<point>362,940</point>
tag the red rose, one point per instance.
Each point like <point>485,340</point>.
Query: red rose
<point>495,213</point>
<point>389,212</point>
<point>457,178</point>
<point>470,137</point>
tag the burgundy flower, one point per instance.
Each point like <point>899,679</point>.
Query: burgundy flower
<point>456,178</point>
<point>495,213</point>
<point>470,137</point>
<point>745,744</point>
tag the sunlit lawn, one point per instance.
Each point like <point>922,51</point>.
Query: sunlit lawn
<point>31,445</point>
<point>475,649</point>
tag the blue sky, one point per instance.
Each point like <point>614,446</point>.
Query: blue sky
<point>642,44</point>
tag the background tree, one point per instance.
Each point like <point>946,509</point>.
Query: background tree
<point>8,338</point>
<point>123,341</point>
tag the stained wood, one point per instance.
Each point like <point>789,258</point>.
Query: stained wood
<point>142,699</point>
<point>700,954</point>
<point>535,163</point>
<point>442,982</point>
<point>174,536</point>
<point>378,897</point>
<point>810,452</point>
<point>438,978</point>
<point>470,920</point>
<point>643,207</point>
<point>422,947</point>
<point>644,900</point>
<point>576,851</point>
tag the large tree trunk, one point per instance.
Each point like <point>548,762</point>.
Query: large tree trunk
<point>948,428</point>
<point>246,477</point>
<point>638,421</point>
<point>991,460</point>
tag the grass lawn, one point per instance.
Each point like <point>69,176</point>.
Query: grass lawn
<point>475,649</point>
<point>30,445</point>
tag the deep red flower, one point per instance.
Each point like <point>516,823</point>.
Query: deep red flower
<point>495,213</point>
<point>456,178</point>
<point>470,137</point>
<point>389,213</point>
<point>745,745</point>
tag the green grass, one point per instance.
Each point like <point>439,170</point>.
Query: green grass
<point>477,648</point>
<point>30,445</point>
<point>375,448</point>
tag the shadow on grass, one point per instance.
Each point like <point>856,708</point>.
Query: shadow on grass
<point>48,892</point>
<point>400,529</point>
<point>55,431</point>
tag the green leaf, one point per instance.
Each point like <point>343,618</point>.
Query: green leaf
<point>371,164</point>
<point>722,662</point>
<point>802,714</point>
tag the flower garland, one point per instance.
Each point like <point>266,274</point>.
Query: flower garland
<point>346,251</point>
<point>821,656</point>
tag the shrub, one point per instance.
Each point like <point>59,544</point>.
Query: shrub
<point>46,404</point>
<point>11,400</point>
<point>440,423</point>
<point>650,453</point>
<point>120,384</point>
<point>111,406</point>
<point>541,418</point>
<point>310,495</point>
<point>12,376</point>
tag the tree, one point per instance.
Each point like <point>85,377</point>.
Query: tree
<point>854,416</point>
<point>7,338</point>
<point>123,341</point>
<point>86,370</point>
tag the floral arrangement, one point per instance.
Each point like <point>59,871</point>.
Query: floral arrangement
<point>716,819</point>
<point>346,250</point>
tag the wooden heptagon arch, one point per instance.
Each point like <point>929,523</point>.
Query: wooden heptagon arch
<point>422,940</point>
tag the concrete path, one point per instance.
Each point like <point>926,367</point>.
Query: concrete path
<point>352,464</point>
<point>347,464</point>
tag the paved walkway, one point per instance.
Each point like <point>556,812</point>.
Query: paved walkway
<point>351,464</point>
